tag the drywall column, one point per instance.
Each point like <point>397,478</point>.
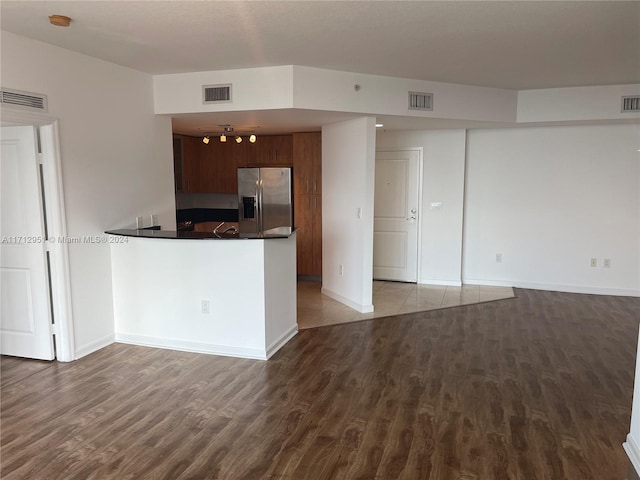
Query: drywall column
<point>440,249</point>
<point>348,169</point>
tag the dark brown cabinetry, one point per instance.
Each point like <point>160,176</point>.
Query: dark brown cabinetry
<point>191,179</point>
<point>211,168</point>
<point>270,151</point>
<point>307,187</point>
<point>219,164</point>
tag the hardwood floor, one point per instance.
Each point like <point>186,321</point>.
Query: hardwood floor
<point>534,387</point>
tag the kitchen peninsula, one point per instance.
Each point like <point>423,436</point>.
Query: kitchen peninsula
<point>225,294</point>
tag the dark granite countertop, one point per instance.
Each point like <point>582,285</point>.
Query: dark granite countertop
<point>182,235</point>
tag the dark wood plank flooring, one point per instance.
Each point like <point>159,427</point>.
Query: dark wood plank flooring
<point>535,387</point>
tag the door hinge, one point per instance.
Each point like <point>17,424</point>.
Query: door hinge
<point>40,159</point>
<point>53,330</point>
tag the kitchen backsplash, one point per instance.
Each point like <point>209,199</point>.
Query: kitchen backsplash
<point>206,200</point>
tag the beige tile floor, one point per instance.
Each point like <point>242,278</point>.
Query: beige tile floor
<point>389,298</point>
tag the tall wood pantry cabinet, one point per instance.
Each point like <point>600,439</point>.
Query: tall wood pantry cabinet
<point>307,206</point>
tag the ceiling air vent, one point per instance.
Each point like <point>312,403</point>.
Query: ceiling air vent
<point>420,101</point>
<point>216,93</point>
<point>631,104</point>
<point>26,100</point>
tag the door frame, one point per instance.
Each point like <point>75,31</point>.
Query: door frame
<point>420,151</point>
<point>59,278</point>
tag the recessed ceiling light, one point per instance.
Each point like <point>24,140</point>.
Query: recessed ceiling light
<point>379,125</point>
<point>59,20</point>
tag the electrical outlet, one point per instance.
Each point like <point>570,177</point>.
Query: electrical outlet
<point>498,258</point>
<point>205,307</point>
<point>341,270</point>
<point>606,263</point>
<point>594,262</point>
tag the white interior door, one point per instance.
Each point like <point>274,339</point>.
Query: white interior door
<point>25,313</point>
<point>395,228</point>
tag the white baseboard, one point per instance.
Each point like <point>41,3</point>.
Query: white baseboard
<point>633,452</point>
<point>448,283</point>
<point>279,342</point>
<point>349,303</point>
<point>94,346</point>
<point>196,347</point>
<point>624,292</point>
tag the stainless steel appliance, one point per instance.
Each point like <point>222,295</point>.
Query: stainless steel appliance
<point>264,200</point>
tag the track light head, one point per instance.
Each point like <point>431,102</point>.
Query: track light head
<point>238,139</point>
<point>252,138</point>
<point>205,139</point>
<point>223,138</point>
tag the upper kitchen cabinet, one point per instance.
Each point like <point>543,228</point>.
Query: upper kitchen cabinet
<point>219,162</point>
<point>177,162</point>
<point>270,151</point>
<point>211,168</point>
<point>307,163</point>
<point>188,163</point>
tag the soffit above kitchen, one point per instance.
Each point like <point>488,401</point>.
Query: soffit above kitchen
<point>512,45</point>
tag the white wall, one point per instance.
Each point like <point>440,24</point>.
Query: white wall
<point>575,103</point>
<point>116,162</point>
<point>321,89</point>
<point>159,284</point>
<point>294,86</point>
<point>252,89</point>
<point>549,200</point>
<point>348,169</point>
<point>443,181</point>
<point>280,283</point>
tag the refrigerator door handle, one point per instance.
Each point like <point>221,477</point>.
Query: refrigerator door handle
<point>258,206</point>
<point>260,197</point>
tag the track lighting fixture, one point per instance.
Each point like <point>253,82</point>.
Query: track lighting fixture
<point>228,131</point>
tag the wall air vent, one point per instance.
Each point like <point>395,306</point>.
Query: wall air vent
<point>631,104</point>
<point>420,101</point>
<point>216,93</point>
<point>23,100</point>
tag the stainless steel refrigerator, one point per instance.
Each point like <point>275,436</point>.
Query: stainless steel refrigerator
<point>264,200</point>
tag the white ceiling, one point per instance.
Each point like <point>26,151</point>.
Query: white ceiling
<point>512,44</point>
